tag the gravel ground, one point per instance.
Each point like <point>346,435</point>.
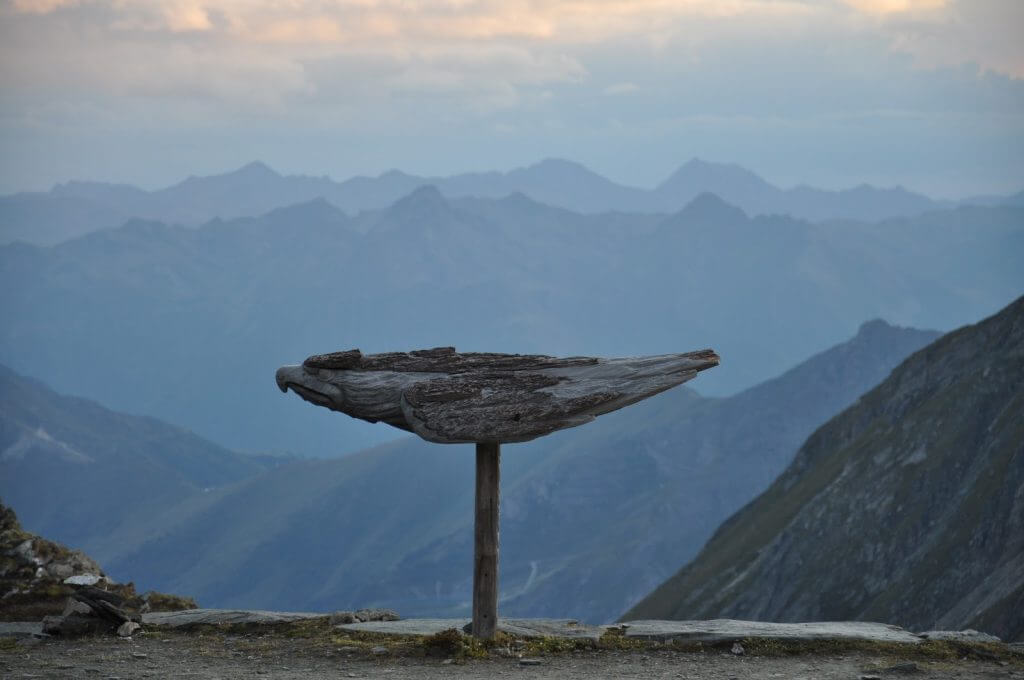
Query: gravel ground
<point>206,657</point>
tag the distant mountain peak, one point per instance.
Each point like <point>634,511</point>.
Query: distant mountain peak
<point>256,169</point>
<point>394,173</point>
<point>425,192</point>
<point>708,207</point>
<point>423,200</point>
<point>552,162</point>
<point>699,170</point>
<point>874,326</point>
<point>318,209</point>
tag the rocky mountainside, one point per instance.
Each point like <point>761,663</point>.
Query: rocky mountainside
<point>82,474</point>
<point>592,518</point>
<point>908,507</point>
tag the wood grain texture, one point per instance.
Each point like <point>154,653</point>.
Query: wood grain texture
<point>485,544</point>
<point>449,397</point>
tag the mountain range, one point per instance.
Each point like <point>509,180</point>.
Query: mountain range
<point>79,207</point>
<point>392,526</point>
<point>908,507</point>
<point>189,325</point>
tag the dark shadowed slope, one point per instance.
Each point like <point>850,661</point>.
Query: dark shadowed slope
<point>907,508</point>
<point>591,518</point>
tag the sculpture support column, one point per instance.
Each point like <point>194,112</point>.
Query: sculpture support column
<point>485,550</point>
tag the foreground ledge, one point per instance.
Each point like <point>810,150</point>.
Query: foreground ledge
<point>199,617</point>
<point>729,630</point>
<point>524,628</point>
<point>707,632</point>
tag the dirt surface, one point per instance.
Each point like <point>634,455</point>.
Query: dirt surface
<point>210,655</point>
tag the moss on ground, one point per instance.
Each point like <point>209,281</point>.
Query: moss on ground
<point>318,636</point>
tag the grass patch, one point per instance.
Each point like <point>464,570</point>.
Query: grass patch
<point>318,637</point>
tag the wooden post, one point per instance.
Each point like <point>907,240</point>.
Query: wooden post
<point>485,551</point>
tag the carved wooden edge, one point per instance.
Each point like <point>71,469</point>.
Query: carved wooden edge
<point>447,360</point>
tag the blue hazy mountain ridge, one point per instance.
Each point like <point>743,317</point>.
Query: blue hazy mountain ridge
<point>190,324</point>
<point>82,473</point>
<point>905,508</point>
<point>75,208</point>
<point>392,526</point>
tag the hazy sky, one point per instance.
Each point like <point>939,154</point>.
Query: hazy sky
<point>924,93</point>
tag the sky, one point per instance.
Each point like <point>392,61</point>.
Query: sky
<point>928,94</point>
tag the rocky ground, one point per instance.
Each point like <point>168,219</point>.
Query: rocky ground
<point>314,649</point>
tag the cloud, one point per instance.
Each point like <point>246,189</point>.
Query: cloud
<point>893,6</point>
<point>596,70</point>
<point>621,88</point>
<point>41,6</point>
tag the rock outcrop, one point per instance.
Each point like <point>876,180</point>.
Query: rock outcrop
<point>36,575</point>
<point>908,507</point>
<point>41,579</point>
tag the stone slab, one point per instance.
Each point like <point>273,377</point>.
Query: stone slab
<point>969,635</point>
<point>563,628</point>
<point>405,626</point>
<point>196,617</point>
<point>22,629</point>
<point>729,630</point>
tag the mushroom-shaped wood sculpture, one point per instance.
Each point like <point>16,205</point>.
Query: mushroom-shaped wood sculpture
<point>449,397</point>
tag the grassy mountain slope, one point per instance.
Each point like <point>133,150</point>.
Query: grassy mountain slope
<point>906,508</point>
<point>585,512</point>
<point>81,473</point>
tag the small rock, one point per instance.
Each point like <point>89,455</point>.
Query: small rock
<point>127,628</point>
<point>60,571</point>
<point>969,635</point>
<point>348,649</point>
<point>73,606</point>
<point>338,618</point>
<point>737,649</point>
<point>83,580</point>
<point>380,651</point>
<point>448,662</point>
<point>364,615</point>
<point>530,662</point>
<point>139,655</point>
<point>871,677</point>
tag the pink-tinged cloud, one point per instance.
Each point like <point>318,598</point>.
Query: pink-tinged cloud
<point>896,6</point>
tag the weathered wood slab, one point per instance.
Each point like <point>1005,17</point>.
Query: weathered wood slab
<point>449,397</point>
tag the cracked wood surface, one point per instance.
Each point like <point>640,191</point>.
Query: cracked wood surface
<point>449,397</point>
